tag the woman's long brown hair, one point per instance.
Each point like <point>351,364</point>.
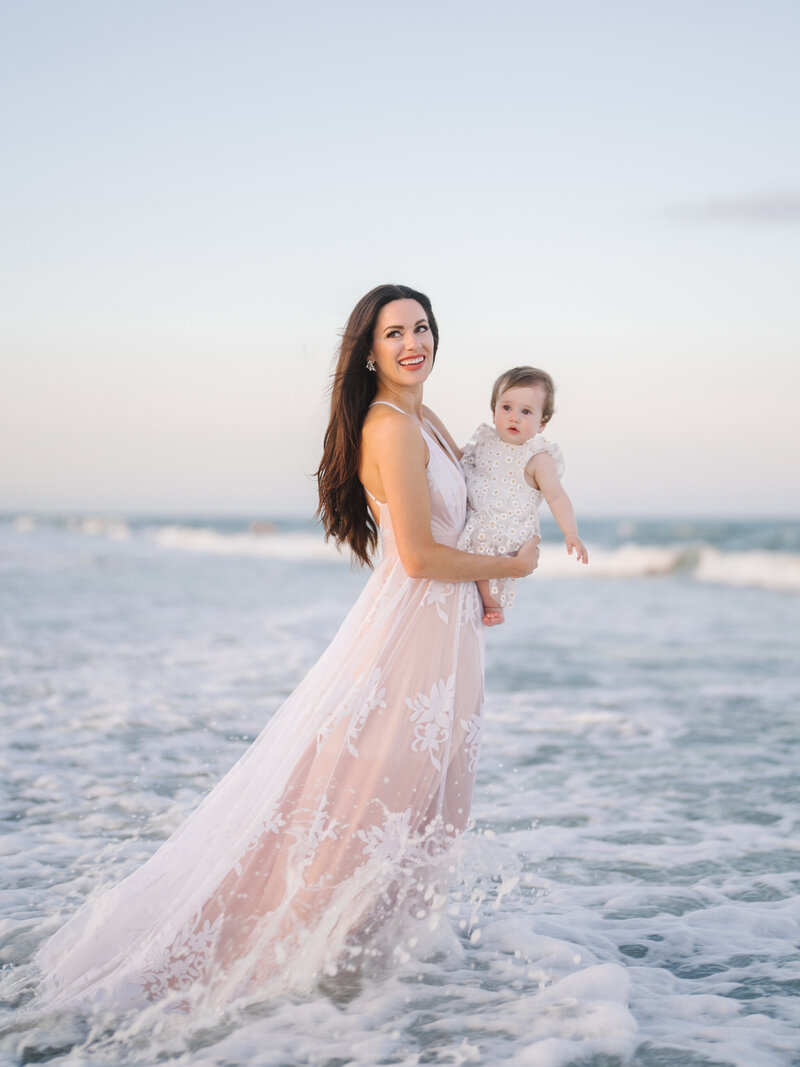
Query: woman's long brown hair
<point>343,509</point>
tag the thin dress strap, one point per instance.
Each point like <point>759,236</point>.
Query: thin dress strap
<point>388,405</point>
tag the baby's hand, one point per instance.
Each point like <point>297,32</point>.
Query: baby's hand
<point>573,541</point>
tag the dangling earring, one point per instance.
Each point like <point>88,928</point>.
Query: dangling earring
<point>370,364</point>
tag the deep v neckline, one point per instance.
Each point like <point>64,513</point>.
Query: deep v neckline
<point>442,445</point>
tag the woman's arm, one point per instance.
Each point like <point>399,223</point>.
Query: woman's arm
<point>394,456</point>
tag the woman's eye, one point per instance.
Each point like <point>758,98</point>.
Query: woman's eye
<point>422,326</point>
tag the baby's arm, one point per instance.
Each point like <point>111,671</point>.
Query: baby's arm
<point>541,473</point>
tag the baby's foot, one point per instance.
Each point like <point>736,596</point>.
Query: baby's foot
<point>493,616</point>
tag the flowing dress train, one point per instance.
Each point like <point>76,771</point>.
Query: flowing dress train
<point>329,821</point>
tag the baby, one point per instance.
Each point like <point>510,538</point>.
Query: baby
<point>509,470</point>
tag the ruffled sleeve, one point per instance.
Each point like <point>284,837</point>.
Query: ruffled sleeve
<point>481,436</point>
<point>539,444</point>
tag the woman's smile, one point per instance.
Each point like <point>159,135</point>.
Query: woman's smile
<point>402,344</point>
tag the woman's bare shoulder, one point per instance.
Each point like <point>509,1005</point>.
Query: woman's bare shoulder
<point>386,425</point>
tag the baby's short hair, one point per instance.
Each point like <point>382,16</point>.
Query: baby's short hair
<point>527,376</point>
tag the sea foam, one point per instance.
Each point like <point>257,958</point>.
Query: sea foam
<point>629,893</point>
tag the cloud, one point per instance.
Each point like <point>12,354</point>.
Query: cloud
<point>760,209</point>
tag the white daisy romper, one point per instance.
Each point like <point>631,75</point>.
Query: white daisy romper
<point>502,508</point>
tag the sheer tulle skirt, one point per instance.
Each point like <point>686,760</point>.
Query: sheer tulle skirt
<point>328,825</point>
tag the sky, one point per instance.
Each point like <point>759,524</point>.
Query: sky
<point>194,195</point>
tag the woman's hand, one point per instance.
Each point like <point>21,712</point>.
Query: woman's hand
<point>528,557</point>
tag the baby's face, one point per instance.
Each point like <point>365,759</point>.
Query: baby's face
<point>518,413</point>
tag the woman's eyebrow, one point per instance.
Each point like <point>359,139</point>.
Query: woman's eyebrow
<point>417,323</point>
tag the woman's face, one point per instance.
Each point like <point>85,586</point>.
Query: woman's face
<point>402,344</point>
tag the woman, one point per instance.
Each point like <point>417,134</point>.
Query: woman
<point>330,820</point>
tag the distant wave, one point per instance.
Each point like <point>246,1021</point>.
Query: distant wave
<point>702,563</point>
<point>628,561</point>
<point>767,570</point>
<point>696,561</point>
<point>91,525</point>
<point>275,545</point>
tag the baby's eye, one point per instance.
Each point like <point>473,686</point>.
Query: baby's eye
<point>526,411</point>
<point>506,407</point>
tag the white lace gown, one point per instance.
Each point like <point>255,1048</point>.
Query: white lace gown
<point>502,508</point>
<point>328,823</point>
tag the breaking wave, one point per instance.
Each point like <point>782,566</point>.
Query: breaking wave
<point>617,549</point>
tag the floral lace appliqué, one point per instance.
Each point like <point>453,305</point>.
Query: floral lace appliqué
<point>474,732</point>
<point>437,594</point>
<point>371,698</point>
<point>469,607</point>
<point>272,823</point>
<point>182,962</point>
<point>390,840</point>
<point>358,707</point>
<point>433,715</point>
<point>323,828</point>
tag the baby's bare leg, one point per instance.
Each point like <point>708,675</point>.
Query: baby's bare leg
<point>492,610</point>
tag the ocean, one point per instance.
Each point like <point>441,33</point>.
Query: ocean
<point>630,891</point>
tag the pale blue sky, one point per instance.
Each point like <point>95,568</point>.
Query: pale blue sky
<point>195,194</point>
